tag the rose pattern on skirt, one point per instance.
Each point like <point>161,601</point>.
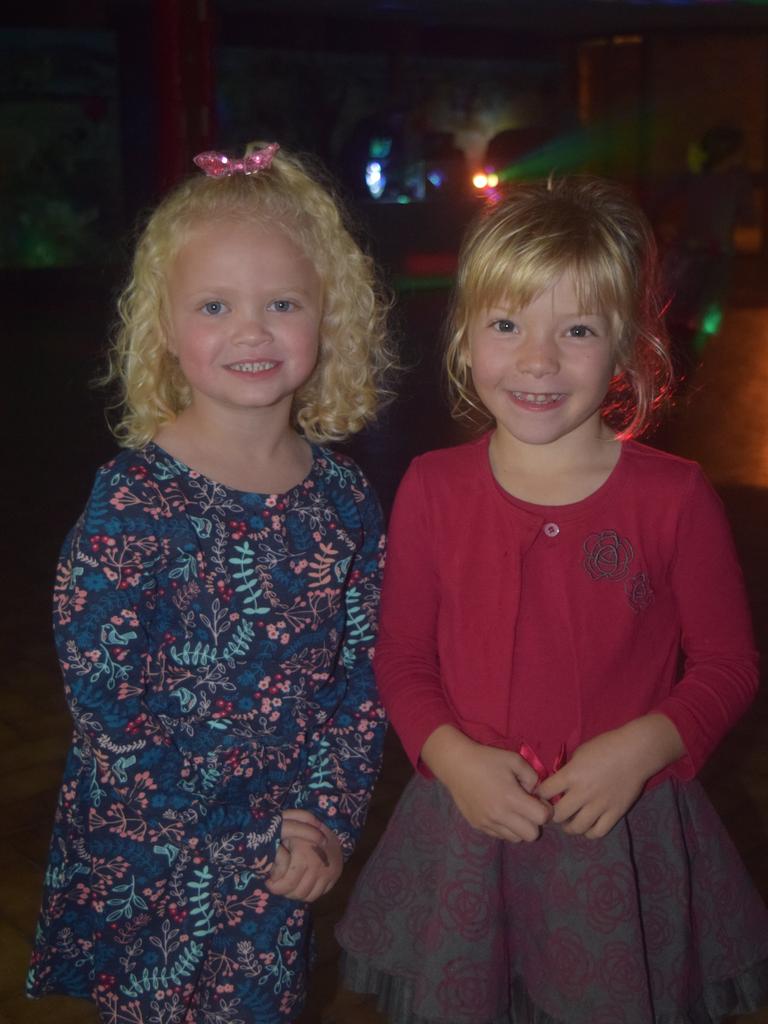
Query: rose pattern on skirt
<point>564,929</point>
<point>367,932</point>
<point>393,886</point>
<point>569,962</point>
<point>463,991</point>
<point>611,895</point>
<point>467,905</point>
<point>621,972</point>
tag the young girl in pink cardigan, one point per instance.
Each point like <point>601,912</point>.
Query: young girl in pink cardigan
<point>564,640</point>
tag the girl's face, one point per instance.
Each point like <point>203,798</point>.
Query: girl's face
<point>543,371</point>
<point>244,309</point>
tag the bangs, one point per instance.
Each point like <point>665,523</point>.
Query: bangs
<point>517,277</point>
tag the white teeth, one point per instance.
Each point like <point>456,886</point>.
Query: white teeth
<point>252,367</point>
<point>536,398</point>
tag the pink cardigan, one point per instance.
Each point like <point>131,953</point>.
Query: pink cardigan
<point>545,626</point>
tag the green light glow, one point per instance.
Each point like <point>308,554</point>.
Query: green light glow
<point>407,283</point>
<point>712,319</point>
<point>380,148</point>
<point>574,152</point>
<point>710,325</point>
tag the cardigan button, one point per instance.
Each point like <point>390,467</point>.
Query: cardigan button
<point>551,529</point>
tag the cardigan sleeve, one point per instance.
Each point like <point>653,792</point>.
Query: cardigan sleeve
<point>406,660</point>
<point>720,672</point>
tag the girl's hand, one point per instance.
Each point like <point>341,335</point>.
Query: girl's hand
<point>490,787</point>
<point>606,774</point>
<point>308,861</point>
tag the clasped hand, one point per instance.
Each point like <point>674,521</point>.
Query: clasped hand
<point>491,788</point>
<point>499,793</point>
<point>605,776</point>
<point>308,861</point>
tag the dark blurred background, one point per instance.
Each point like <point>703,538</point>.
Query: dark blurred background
<point>420,110</point>
<point>418,107</point>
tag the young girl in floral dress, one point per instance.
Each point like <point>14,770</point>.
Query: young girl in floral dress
<point>564,640</point>
<point>215,610</point>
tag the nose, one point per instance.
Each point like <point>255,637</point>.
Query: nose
<point>537,355</point>
<point>252,329</point>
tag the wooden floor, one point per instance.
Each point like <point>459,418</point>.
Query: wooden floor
<point>723,423</point>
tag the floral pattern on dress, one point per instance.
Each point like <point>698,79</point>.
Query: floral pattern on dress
<point>216,650</point>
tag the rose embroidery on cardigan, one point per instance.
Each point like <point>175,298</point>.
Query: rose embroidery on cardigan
<point>639,591</point>
<point>608,555</point>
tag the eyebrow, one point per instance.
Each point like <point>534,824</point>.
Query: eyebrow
<point>225,289</point>
<point>512,311</point>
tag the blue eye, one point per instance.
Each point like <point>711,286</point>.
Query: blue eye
<point>282,305</point>
<point>581,331</point>
<point>504,326</point>
<point>213,308</point>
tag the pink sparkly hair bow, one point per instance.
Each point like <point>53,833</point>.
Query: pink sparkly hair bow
<point>217,165</point>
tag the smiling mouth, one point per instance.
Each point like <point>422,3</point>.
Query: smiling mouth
<point>252,367</point>
<point>536,398</point>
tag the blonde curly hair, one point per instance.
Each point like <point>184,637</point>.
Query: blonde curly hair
<point>348,382</point>
<point>524,242</point>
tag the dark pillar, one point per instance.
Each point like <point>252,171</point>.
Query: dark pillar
<point>184,85</point>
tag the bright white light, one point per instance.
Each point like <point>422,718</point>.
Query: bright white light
<point>480,180</point>
<point>375,179</point>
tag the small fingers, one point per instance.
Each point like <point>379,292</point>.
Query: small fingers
<point>602,827</point>
<point>280,865</point>
<point>521,831</point>
<point>496,832</point>
<point>318,889</point>
<point>294,828</point>
<point>524,773</point>
<point>565,808</point>
<point>289,882</point>
<point>321,855</point>
<point>553,785</point>
<point>581,822</point>
<point>541,812</point>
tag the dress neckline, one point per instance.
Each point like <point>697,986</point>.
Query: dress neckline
<point>559,512</point>
<point>262,495</point>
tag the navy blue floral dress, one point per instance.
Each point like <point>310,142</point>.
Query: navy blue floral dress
<point>216,650</point>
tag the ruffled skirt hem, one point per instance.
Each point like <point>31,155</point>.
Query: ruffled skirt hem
<point>394,998</point>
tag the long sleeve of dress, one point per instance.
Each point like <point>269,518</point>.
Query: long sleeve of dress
<point>157,779</point>
<point>345,756</point>
<point>407,665</point>
<point>720,671</point>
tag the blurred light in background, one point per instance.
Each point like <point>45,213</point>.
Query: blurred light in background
<point>485,179</point>
<point>375,179</point>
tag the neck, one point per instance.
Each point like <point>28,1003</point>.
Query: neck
<point>553,474</point>
<point>239,448</point>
